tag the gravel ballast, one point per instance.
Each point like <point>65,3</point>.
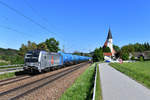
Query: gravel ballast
<point>36,77</point>
<point>54,90</point>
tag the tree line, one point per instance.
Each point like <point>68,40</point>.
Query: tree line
<point>131,48</point>
<point>122,52</point>
<point>50,45</point>
<point>11,56</point>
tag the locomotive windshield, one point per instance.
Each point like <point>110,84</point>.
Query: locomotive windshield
<point>32,56</point>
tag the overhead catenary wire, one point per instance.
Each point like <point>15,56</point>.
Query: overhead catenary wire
<point>29,19</point>
<point>26,17</point>
<point>44,19</point>
<point>35,11</point>
<point>12,29</point>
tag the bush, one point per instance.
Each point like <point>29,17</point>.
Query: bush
<point>132,58</point>
<point>141,58</point>
<point>125,56</point>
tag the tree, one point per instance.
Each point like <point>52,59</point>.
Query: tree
<point>132,58</point>
<point>125,55</point>
<point>116,48</point>
<point>98,55</point>
<point>42,46</point>
<point>31,45</point>
<point>23,50</point>
<point>52,45</point>
<point>106,49</point>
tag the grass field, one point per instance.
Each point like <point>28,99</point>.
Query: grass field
<point>7,75</point>
<point>139,71</point>
<point>9,67</point>
<point>4,63</point>
<point>82,88</point>
<point>98,93</point>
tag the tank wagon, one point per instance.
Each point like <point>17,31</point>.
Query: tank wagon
<point>39,61</point>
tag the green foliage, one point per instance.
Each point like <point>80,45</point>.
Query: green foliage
<point>7,75</point>
<point>77,53</point>
<point>116,48</point>
<point>132,58</point>
<point>125,56</point>
<point>4,63</point>
<point>81,89</point>
<point>10,67</point>
<point>52,45</point>
<point>138,71</point>
<point>137,47</point>
<point>16,59</point>
<point>31,45</point>
<point>42,46</point>
<point>9,52</point>
<point>98,55</point>
<point>49,45</point>
<point>106,49</point>
<point>98,93</point>
<point>24,48</point>
<point>141,58</point>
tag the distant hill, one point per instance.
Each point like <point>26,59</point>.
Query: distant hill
<point>8,52</point>
<point>10,56</point>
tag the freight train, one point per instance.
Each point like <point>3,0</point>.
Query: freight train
<point>41,61</point>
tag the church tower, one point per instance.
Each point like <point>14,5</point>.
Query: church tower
<point>110,41</point>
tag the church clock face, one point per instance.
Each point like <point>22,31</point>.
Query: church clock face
<point>109,41</point>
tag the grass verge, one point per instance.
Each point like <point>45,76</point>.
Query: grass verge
<point>7,75</point>
<point>82,88</point>
<point>9,67</point>
<point>3,63</point>
<point>98,93</point>
<point>138,71</point>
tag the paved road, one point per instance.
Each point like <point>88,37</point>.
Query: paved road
<point>117,86</point>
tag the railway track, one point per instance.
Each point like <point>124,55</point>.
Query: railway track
<point>13,80</point>
<point>25,89</point>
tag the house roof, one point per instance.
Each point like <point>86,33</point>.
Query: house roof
<point>107,54</point>
<point>145,54</point>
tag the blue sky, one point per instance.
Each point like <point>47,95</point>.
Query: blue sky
<point>80,25</point>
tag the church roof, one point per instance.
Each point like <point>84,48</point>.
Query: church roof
<point>105,44</point>
<point>107,54</point>
<point>109,34</point>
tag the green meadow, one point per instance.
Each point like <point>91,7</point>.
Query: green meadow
<point>139,71</point>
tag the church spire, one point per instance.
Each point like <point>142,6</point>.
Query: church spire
<point>109,34</point>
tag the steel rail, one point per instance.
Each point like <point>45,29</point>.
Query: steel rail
<point>60,74</point>
<point>13,81</point>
